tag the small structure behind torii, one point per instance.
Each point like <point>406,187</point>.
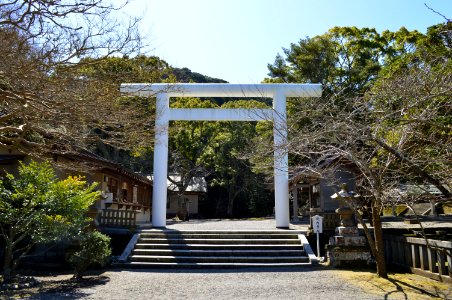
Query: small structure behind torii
<point>164,114</point>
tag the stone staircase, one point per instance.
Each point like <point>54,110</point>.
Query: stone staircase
<point>217,249</point>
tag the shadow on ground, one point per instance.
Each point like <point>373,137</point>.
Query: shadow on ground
<point>67,288</point>
<point>399,285</point>
<point>402,286</point>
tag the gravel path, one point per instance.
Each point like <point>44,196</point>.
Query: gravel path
<point>308,283</point>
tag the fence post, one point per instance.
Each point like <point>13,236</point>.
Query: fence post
<point>432,260</point>
<point>399,253</point>
<point>408,256</point>
<point>424,257</point>
<point>442,262</point>
<point>415,256</point>
<point>449,263</point>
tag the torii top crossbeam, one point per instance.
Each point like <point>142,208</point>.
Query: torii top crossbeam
<point>222,89</point>
<point>278,92</point>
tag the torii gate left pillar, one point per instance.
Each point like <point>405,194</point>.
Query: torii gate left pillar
<point>278,92</point>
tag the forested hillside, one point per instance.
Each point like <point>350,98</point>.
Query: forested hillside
<point>186,75</point>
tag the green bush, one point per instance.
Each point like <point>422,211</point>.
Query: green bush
<point>94,249</point>
<point>37,207</point>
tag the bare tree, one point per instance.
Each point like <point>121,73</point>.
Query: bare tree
<point>62,31</point>
<point>399,132</point>
<point>46,102</point>
<point>395,130</point>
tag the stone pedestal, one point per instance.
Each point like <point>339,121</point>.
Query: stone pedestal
<point>347,248</point>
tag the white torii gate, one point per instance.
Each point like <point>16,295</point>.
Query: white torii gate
<point>164,114</point>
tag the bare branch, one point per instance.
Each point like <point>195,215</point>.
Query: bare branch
<point>438,13</point>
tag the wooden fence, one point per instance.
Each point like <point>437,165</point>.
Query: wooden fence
<point>115,217</point>
<point>429,258</point>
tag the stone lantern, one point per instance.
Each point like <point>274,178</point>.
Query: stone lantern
<point>345,212</point>
<point>346,247</point>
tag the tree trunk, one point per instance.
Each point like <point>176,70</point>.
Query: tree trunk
<point>379,243</point>
<point>230,210</point>
<point>8,270</point>
<point>233,192</point>
<point>182,207</point>
<point>231,197</point>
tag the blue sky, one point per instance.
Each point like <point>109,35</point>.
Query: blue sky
<point>235,39</point>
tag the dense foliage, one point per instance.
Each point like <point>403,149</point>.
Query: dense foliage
<point>345,60</point>
<point>214,150</point>
<point>35,208</point>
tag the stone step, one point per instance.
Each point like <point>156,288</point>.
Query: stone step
<point>218,241</point>
<point>217,236</point>
<point>192,252</point>
<point>298,247</point>
<point>180,265</point>
<point>219,259</point>
<point>217,249</point>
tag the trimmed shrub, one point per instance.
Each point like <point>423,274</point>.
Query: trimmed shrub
<point>94,249</point>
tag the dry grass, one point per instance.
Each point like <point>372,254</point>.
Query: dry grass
<point>399,285</point>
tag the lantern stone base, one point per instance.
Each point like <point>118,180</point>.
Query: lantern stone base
<point>347,248</point>
<point>349,241</point>
<point>347,256</point>
<point>351,231</point>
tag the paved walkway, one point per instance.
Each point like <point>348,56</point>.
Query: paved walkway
<point>302,224</point>
<point>232,224</point>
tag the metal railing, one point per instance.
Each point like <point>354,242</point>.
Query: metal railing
<point>426,257</point>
